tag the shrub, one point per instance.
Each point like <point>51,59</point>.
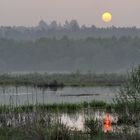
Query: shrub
<point>128,98</point>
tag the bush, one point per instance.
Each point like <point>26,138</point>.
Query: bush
<point>129,94</point>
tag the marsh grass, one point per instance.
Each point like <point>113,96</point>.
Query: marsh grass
<point>59,131</point>
<point>62,107</point>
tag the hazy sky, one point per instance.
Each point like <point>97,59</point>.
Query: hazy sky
<point>30,12</point>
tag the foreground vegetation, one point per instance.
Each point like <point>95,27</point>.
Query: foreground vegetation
<point>42,122</point>
<point>59,131</point>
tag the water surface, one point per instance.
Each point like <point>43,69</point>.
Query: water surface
<point>30,95</point>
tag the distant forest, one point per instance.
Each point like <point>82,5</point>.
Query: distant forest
<point>71,29</point>
<point>69,55</point>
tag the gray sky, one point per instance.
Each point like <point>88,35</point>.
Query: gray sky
<point>30,12</point>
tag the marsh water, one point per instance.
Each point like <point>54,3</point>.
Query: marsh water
<point>32,95</point>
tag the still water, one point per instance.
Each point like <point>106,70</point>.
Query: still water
<point>30,95</point>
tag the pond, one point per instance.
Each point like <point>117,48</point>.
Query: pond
<point>31,95</point>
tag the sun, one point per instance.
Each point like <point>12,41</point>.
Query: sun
<point>107,17</point>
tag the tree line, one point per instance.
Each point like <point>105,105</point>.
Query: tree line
<point>68,55</point>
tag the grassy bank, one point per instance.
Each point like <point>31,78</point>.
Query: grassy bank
<point>71,107</point>
<point>62,107</point>
<point>60,80</point>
